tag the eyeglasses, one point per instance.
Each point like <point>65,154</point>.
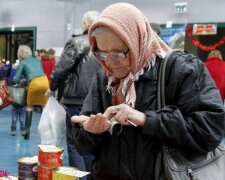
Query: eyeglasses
<point>102,56</point>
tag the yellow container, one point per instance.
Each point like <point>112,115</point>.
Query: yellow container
<point>68,173</point>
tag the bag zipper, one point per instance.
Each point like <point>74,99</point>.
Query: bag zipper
<point>191,174</point>
<point>190,171</point>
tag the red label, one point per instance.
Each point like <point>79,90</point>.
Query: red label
<point>50,159</point>
<point>45,173</point>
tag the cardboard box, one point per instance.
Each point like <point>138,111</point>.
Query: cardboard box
<point>68,173</point>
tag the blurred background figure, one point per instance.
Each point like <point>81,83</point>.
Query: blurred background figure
<point>42,52</point>
<point>177,41</point>
<point>1,64</point>
<point>78,65</point>
<point>18,111</point>
<point>48,62</point>
<point>13,70</point>
<point>37,81</point>
<point>216,67</point>
<point>5,70</point>
<point>155,27</point>
<point>37,54</point>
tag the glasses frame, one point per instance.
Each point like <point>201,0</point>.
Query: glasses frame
<point>109,55</point>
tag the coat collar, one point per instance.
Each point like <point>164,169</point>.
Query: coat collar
<point>152,72</point>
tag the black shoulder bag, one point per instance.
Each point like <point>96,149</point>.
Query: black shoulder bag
<point>172,164</point>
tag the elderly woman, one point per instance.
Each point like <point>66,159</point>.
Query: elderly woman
<point>119,121</point>
<point>37,81</point>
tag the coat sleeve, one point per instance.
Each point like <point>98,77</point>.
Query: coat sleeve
<point>88,142</point>
<point>19,72</point>
<point>193,118</point>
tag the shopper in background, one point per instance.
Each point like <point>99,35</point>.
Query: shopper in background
<point>48,62</point>
<point>37,81</point>
<point>1,64</point>
<point>125,93</point>
<point>42,52</point>
<point>18,111</point>
<point>216,67</point>
<point>14,69</point>
<point>37,54</point>
<point>156,27</point>
<point>79,65</point>
<point>5,71</point>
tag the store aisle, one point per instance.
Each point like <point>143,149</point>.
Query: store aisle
<point>13,148</point>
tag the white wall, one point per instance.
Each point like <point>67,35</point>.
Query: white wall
<point>51,17</point>
<point>46,15</point>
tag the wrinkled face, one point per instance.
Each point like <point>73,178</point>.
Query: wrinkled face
<point>110,45</point>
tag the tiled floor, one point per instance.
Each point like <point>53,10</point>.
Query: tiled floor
<point>13,148</point>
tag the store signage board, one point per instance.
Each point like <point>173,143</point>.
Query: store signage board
<point>180,7</point>
<point>204,29</point>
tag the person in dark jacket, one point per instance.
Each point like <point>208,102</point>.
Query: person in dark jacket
<point>79,65</point>
<point>119,122</point>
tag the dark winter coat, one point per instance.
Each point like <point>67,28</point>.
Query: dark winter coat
<point>77,62</point>
<point>193,120</point>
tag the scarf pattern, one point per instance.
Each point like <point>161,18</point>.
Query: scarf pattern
<point>133,28</point>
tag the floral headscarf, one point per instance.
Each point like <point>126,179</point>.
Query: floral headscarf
<point>133,28</point>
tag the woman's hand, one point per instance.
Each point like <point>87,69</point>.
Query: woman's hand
<point>93,124</point>
<point>125,115</point>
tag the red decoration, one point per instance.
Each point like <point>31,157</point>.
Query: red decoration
<point>3,173</point>
<point>200,45</point>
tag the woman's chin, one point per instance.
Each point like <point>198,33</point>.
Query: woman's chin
<point>120,75</point>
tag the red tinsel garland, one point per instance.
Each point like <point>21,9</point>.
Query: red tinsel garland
<point>200,45</point>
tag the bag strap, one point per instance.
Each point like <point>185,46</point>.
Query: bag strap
<point>161,91</point>
<point>161,94</point>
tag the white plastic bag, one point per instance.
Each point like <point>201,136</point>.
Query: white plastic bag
<point>52,125</point>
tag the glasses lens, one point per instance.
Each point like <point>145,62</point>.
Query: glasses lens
<point>112,55</point>
<point>117,56</point>
<point>100,55</point>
